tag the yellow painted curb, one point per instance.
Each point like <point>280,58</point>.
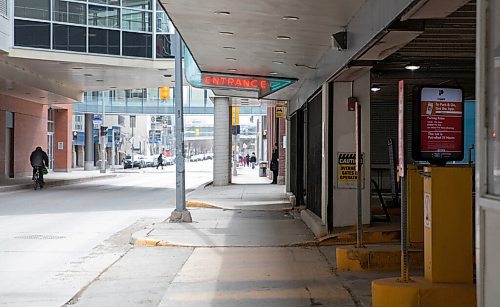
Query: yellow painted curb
<point>200,204</point>
<point>375,258</point>
<point>389,292</point>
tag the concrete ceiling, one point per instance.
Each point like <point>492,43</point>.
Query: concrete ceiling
<point>32,74</point>
<point>256,46</point>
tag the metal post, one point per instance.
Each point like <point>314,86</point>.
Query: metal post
<point>132,145</point>
<point>180,213</point>
<point>404,230</point>
<point>359,232</point>
<point>103,140</point>
<point>113,149</point>
<point>402,174</point>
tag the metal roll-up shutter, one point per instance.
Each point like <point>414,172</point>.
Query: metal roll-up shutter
<point>314,154</point>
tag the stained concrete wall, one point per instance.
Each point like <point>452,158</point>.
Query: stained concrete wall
<point>344,200</point>
<point>30,131</point>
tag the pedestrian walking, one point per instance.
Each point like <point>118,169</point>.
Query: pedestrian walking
<point>253,160</point>
<point>248,159</point>
<point>160,161</point>
<point>275,164</point>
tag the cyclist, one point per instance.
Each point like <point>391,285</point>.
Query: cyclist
<point>39,160</point>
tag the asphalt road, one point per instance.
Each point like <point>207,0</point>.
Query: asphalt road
<point>55,242</point>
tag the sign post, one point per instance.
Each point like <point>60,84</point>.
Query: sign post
<point>402,175</point>
<point>359,181</point>
<point>180,214</point>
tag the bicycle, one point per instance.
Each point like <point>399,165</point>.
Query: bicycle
<point>36,179</point>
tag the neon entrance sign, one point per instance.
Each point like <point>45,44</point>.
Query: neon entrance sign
<point>235,82</point>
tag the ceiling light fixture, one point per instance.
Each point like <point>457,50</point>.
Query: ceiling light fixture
<point>283,37</point>
<point>88,75</point>
<point>273,73</point>
<point>226,33</point>
<point>278,62</point>
<point>225,13</point>
<point>167,76</point>
<point>375,89</point>
<point>76,68</point>
<point>290,18</point>
<point>279,51</point>
<point>232,69</point>
<point>41,97</point>
<point>230,59</point>
<point>412,67</point>
<point>162,69</point>
<point>99,80</point>
<point>229,47</point>
<point>113,87</point>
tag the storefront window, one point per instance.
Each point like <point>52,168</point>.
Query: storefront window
<point>493,110</point>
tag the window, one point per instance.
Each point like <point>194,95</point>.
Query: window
<point>163,46</point>
<point>109,2</point>
<point>137,4</point>
<point>36,9</point>
<point>163,24</point>
<point>493,113</point>
<point>136,20</point>
<point>137,44</point>
<point>69,38</point>
<point>71,12</point>
<point>104,41</point>
<point>103,16</point>
<point>31,34</point>
<point>3,7</point>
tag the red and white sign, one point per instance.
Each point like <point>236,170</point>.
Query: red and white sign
<point>441,120</point>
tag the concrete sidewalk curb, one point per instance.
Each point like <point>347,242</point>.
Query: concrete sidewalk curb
<point>140,239</point>
<point>55,183</point>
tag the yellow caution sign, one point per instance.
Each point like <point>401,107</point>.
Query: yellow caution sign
<point>280,111</point>
<point>235,118</point>
<point>346,170</point>
<point>165,92</point>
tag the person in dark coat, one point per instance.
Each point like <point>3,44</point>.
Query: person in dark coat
<point>275,164</point>
<point>247,160</point>
<point>253,160</point>
<point>40,160</point>
<point>160,161</point>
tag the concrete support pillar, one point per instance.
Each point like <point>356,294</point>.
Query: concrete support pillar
<point>89,142</point>
<point>63,147</point>
<point>222,144</point>
<point>344,192</point>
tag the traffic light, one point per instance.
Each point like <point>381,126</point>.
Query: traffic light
<point>165,92</point>
<point>75,135</point>
<point>104,130</point>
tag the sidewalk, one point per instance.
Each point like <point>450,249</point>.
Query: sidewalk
<point>249,249</point>
<point>53,179</point>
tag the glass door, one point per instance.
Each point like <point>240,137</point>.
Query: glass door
<point>50,149</point>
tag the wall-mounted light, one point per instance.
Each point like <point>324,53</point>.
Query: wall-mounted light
<point>375,89</point>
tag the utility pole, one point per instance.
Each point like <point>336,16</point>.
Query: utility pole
<point>103,140</point>
<point>180,214</point>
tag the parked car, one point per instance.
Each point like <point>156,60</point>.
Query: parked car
<point>169,160</point>
<point>151,161</point>
<point>138,161</point>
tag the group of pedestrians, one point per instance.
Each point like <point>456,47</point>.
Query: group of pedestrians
<point>248,160</point>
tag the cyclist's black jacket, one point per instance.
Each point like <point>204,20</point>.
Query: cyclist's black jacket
<point>38,157</point>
